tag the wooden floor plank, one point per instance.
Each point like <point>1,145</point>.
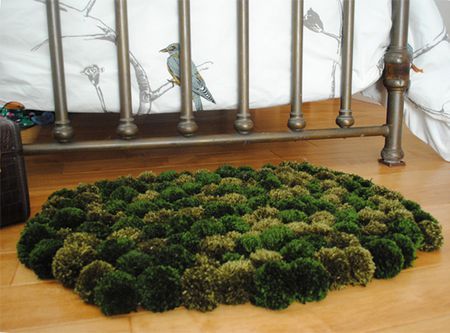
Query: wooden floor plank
<point>8,267</point>
<point>429,325</point>
<point>243,318</point>
<point>41,304</point>
<point>9,237</point>
<point>104,324</point>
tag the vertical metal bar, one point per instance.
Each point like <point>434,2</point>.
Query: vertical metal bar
<point>345,118</point>
<point>187,125</point>
<point>400,18</point>
<point>127,129</point>
<point>396,79</point>
<point>243,123</point>
<point>62,131</point>
<point>296,121</point>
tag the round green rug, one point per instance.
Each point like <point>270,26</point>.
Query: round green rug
<point>270,236</point>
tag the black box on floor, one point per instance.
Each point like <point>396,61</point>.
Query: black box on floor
<point>14,199</point>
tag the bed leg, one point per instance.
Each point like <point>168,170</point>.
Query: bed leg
<point>396,80</point>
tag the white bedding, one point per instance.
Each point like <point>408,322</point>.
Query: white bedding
<point>89,50</point>
<point>25,70</point>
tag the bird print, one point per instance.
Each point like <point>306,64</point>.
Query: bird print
<point>199,88</point>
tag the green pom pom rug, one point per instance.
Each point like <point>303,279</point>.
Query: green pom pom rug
<point>270,236</point>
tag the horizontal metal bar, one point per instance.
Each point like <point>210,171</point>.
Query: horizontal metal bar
<point>167,142</point>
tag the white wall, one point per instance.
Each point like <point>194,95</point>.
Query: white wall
<point>444,6</point>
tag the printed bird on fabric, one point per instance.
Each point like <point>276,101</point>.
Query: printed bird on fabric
<point>199,88</point>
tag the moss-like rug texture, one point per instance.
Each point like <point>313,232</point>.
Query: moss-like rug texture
<point>270,236</point>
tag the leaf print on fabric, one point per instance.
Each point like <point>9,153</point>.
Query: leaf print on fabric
<point>93,74</point>
<point>313,22</point>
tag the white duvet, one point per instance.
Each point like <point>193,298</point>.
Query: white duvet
<point>91,65</point>
<point>153,25</point>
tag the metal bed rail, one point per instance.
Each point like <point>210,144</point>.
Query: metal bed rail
<point>395,77</point>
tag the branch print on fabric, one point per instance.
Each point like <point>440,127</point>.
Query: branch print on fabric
<point>99,30</point>
<point>313,22</point>
<point>93,74</point>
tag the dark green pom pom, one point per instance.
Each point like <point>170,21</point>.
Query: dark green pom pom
<point>134,262</point>
<point>297,248</point>
<point>68,218</point>
<point>41,257</point>
<point>159,288</point>
<point>309,279</point>
<point>30,236</point>
<point>407,246</point>
<point>272,288</point>
<point>111,249</point>
<point>387,256</point>
<point>275,237</point>
<point>116,293</point>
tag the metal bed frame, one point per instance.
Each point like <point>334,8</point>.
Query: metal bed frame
<point>395,78</point>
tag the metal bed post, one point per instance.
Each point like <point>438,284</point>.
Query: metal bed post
<point>396,80</point>
<point>127,129</point>
<point>187,125</point>
<point>243,123</point>
<point>296,121</point>
<point>62,131</point>
<point>345,118</point>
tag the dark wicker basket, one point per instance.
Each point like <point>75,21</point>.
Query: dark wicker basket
<point>14,199</point>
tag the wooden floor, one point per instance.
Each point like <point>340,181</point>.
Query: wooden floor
<point>418,300</point>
